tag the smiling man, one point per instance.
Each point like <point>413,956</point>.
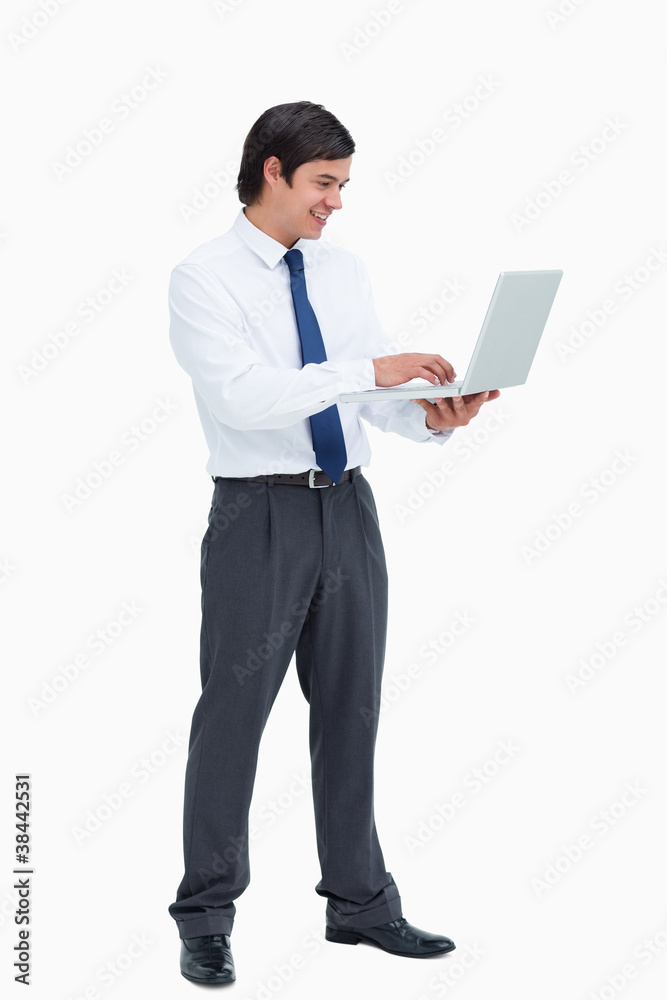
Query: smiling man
<point>272,325</point>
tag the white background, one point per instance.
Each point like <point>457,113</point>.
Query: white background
<point>484,543</point>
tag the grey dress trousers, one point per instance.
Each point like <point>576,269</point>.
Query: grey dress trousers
<point>295,569</point>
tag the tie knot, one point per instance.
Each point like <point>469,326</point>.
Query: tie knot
<point>294,260</point>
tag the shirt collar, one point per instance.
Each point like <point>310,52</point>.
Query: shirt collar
<point>270,250</point>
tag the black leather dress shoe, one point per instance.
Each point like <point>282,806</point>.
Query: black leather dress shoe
<point>398,937</point>
<point>207,960</point>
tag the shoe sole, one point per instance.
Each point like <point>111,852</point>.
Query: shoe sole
<point>208,982</point>
<point>344,937</point>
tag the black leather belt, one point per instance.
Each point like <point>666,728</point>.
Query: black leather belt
<point>314,478</point>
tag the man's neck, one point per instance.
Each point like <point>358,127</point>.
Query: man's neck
<point>261,221</point>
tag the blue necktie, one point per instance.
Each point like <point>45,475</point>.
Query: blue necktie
<point>325,426</point>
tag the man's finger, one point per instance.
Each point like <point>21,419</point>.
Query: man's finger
<point>444,370</point>
<point>480,397</point>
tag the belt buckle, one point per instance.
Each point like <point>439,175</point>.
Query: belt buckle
<point>311,481</point>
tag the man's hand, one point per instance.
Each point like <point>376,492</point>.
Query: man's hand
<point>454,411</point>
<point>394,369</point>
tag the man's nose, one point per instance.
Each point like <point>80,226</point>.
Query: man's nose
<point>333,200</point>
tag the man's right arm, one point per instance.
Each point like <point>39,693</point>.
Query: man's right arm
<point>208,338</point>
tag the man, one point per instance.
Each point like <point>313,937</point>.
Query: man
<point>272,327</point>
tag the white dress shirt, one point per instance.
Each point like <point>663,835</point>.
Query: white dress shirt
<point>233,330</point>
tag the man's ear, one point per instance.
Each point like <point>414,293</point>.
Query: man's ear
<point>272,171</point>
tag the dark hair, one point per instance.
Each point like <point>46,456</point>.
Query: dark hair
<point>296,133</point>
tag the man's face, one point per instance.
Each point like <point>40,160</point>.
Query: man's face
<point>301,211</point>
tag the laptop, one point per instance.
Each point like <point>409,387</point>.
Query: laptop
<point>506,345</point>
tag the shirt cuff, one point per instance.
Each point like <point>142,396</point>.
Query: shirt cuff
<point>362,372</point>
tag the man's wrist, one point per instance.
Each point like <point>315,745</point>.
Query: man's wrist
<point>435,430</point>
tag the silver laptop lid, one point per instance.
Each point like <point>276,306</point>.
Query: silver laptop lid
<point>514,322</point>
